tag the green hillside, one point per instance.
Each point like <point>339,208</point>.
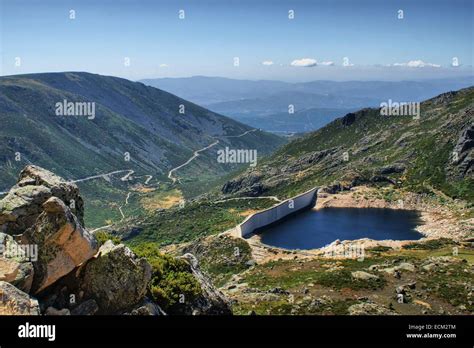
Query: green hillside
<point>416,154</point>
<point>135,127</point>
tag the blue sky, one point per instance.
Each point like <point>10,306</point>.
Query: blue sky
<point>378,45</point>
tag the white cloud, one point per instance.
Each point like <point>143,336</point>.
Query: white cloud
<point>327,63</point>
<point>304,62</point>
<point>417,64</point>
<point>164,65</point>
<point>267,62</point>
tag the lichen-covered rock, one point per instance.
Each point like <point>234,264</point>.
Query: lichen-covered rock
<point>211,301</point>
<point>248,184</point>
<point>361,275</point>
<point>369,309</point>
<point>20,208</point>
<point>13,301</point>
<point>115,278</point>
<point>147,307</point>
<point>307,160</point>
<point>62,243</point>
<point>54,311</point>
<point>392,169</point>
<point>15,263</point>
<point>89,307</point>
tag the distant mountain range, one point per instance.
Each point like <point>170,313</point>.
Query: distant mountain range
<point>154,129</point>
<point>320,101</point>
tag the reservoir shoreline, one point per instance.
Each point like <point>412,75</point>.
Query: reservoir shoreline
<point>438,221</point>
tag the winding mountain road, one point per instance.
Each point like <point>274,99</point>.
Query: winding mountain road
<point>99,176</point>
<point>196,153</point>
<point>240,135</point>
<point>106,175</point>
<point>275,198</point>
<point>126,202</point>
<point>148,179</point>
<point>130,172</point>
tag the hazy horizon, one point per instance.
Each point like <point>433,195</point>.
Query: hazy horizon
<point>428,78</point>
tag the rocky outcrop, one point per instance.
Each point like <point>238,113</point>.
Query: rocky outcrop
<point>15,263</point>
<point>211,301</point>
<point>445,98</point>
<point>395,168</point>
<point>89,307</point>
<point>36,213</point>
<point>369,309</point>
<point>249,185</point>
<point>67,272</point>
<point>464,152</point>
<point>332,189</point>
<point>16,302</point>
<point>361,275</point>
<point>62,243</point>
<point>307,160</point>
<point>114,281</point>
<point>115,278</point>
<point>42,239</point>
<point>146,307</point>
<point>54,311</point>
<point>20,208</point>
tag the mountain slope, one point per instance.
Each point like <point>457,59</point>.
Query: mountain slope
<point>130,117</point>
<point>138,150</point>
<point>434,154</point>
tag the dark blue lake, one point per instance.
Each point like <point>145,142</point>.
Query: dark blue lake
<point>317,228</point>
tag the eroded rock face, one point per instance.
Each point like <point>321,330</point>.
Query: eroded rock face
<point>69,274</point>
<point>147,307</point>
<point>464,151</point>
<point>88,307</point>
<point>392,169</point>
<point>15,263</point>
<point>20,208</point>
<point>62,243</point>
<point>308,160</point>
<point>115,278</point>
<point>16,302</point>
<point>211,301</point>
<point>248,184</point>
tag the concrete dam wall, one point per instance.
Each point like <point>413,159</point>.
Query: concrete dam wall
<point>277,212</point>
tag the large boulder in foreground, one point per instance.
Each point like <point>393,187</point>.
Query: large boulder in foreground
<point>211,301</point>
<point>115,278</point>
<point>16,265</point>
<point>62,243</point>
<point>20,208</point>
<point>16,302</point>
